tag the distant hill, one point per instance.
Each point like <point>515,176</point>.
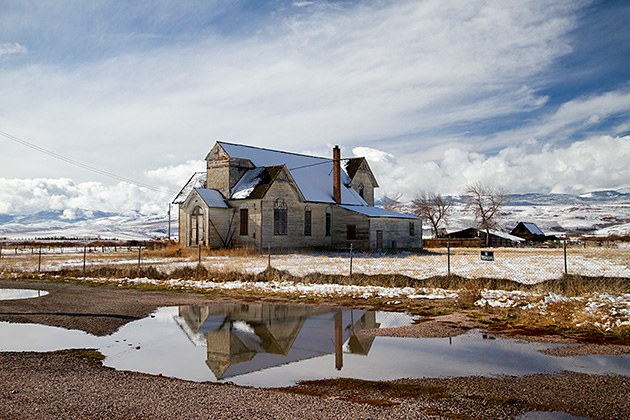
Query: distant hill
<point>595,213</point>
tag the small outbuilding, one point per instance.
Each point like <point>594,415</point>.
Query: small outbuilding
<point>531,233</point>
<point>497,238</point>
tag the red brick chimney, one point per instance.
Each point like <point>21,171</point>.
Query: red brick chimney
<point>337,175</point>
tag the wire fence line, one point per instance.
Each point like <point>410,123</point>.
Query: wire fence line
<point>523,264</point>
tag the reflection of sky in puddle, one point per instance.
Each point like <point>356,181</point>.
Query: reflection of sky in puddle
<point>274,345</point>
<point>9,294</point>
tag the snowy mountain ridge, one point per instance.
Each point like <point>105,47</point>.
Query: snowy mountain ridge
<point>595,213</point>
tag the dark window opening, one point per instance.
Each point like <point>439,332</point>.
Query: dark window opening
<point>361,190</point>
<point>307,222</point>
<point>352,232</point>
<point>279,217</point>
<point>412,229</point>
<point>244,222</point>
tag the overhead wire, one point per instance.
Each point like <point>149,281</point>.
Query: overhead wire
<point>83,165</point>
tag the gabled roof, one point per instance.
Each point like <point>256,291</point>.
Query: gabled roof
<point>198,180</point>
<point>494,232</point>
<point>312,175</point>
<point>212,198</point>
<point>255,182</point>
<point>532,228</point>
<point>353,165</point>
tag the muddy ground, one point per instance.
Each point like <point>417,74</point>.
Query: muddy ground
<point>76,385</point>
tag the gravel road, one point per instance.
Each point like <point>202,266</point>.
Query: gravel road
<point>70,385</point>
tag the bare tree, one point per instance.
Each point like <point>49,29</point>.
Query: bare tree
<point>390,203</point>
<point>433,208</point>
<point>486,203</point>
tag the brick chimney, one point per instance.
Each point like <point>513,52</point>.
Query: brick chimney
<point>337,175</point>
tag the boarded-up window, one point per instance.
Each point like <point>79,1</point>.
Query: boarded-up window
<point>244,222</point>
<point>279,217</point>
<point>307,221</point>
<point>351,232</point>
<point>328,224</point>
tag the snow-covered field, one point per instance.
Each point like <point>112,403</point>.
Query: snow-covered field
<point>602,311</point>
<point>524,265</point>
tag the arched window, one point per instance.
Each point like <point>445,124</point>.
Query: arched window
<point>307,221</point>
<point>196,226</point>
<point>279,217</point>
<point>361,190</point>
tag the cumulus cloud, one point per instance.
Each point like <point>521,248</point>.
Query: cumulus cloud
<point>592,164</point>
<point>28,196</point>
<point>175,177</point>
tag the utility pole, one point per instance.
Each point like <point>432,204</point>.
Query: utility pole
<point>169,222</point>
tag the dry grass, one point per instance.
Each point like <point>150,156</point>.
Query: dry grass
<point>175,250</point>
<point>469,294</point>
<point>570,285</point>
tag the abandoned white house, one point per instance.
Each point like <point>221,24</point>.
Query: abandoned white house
<point>256,197</point>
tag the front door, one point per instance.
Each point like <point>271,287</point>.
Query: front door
<point>379,239</point>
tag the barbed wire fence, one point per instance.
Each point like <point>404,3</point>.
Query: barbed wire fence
<point>521,264</point>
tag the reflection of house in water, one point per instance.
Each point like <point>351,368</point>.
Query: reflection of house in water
<point>250,337</point>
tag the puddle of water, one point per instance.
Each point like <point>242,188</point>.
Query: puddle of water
<point>9,294</point>
<point>277,345</point>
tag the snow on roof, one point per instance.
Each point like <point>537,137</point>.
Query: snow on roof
<point>212,198</point>
<point>312,174</point>
<point>198,180</point>
<point>532,228</point>
<point>378,212</point>
<point>248,182</point>
<point>506,236</point>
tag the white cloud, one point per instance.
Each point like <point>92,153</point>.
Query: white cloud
<point>351,75</point>
<point>596,163</point>
<point>175,176</point>
<point>28,196</point>
<point>12,48</point>
<point>397,82</point>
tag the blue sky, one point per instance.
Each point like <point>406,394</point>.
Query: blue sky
<point>530,96</point>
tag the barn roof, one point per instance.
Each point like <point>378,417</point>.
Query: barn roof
<point>494,232</point>
<point>532,228</point>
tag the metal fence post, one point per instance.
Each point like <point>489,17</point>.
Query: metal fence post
<point>0,252</point>
<point>448,257</point>
<point>139,255</point>
<point>84,256</point>
<point>350,262</point>
<point>565,257</point>
<point>199,252</point>
<point>39,263</point>
<point>269,255</point>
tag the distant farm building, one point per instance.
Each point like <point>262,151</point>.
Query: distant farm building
<point>256,197</point>
<point>497,238</point>
<point>531,233</point>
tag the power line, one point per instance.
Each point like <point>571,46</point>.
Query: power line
<point>83,165</point>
